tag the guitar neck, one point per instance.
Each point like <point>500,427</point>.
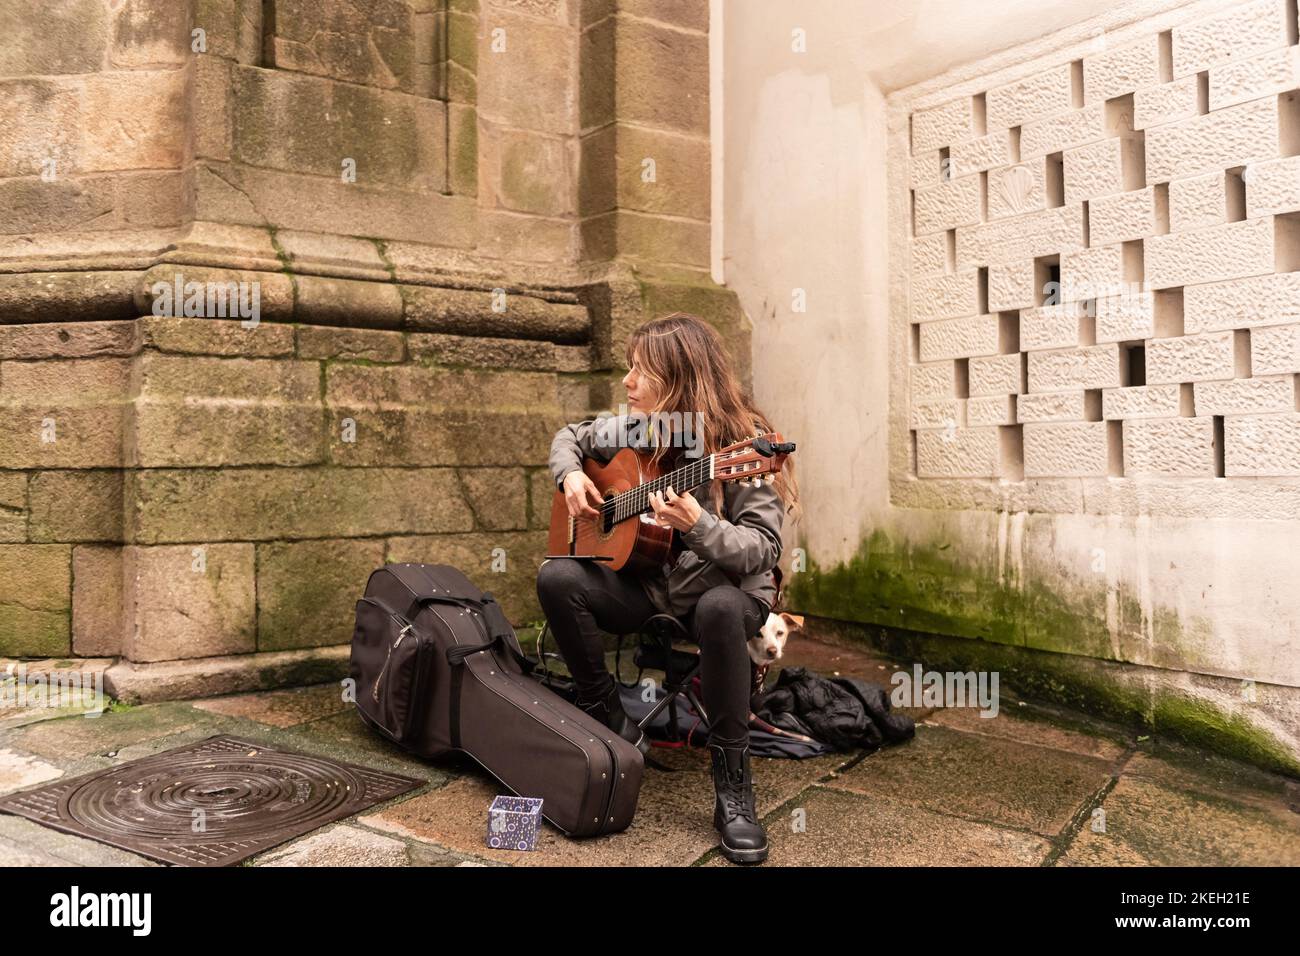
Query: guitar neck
<point>636,501</point>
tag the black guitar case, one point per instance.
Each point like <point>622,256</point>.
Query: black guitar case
<point>438,668</point>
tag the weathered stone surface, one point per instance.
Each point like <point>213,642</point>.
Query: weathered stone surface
<point>598,171</point>
<point>596,88</point>
<point>462,54</point>
<point>662,239</point>
<point>35,597</point>
<point>663,173</point>
<point>497,497</point>
<point>270,504</point>
<point>19,771</point>
<point>250,196</point>
<point>212,432</point>
<point>173,376</point>
<point>188,601</point>
<point>150,33</point>
<point>51,296</point>
<point>323,301</point>
<point>72,381</point>
<point>544,96</point>
<point>344,256</point>
<point>372,345</point>
<point>647,94</point>
<point>541,494</point>
<point>66,204</point>
<point>13,506</point>
<point>128,121</point>
<point>231,674</point>
<point>844,828</point>
<point>68,340</point>
<point>61,435</point>
<point>1152,819</point>
<point>457,350</point>
<point>525,171</point>
<point>283,708</point>
<point>388,436</point>
<point>520,237</point>
<point>1001,788</point>
<point>313,125</point>
<point>384,386</point>
<point>375,44</point>
<point>97,600</point>
<point>307,590</point>
<point>343,846</point>
<point>43,39</point>
<point>217,337</point>
<point>226,411</point>
<point>75,506</point>
<point>215,294</point>
<point>462,146</point>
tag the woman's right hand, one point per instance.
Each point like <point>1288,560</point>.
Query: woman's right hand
<point>580,494</point>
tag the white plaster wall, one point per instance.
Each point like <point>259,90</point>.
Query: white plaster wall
<point>810,143</point>
<point>803,206</point>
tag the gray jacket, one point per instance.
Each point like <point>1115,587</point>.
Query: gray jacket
<point>740,547</point>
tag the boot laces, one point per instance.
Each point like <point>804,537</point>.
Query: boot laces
<point>735,795</point>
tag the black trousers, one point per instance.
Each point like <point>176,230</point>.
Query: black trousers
<point>582,598</point>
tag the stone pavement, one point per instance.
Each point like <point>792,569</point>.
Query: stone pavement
<point>1018,789</point>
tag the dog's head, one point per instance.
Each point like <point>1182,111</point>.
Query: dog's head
<point>769,643</point>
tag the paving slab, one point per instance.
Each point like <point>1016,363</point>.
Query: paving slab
<point>346,737</point>
<point>81,736</point>
<point>346,845</point>
<point>842,828</point>
<point>1033,725</point>
<point>19,771</point>
<point>979,777</point>
<point>23,839</point>
<point>1183,768</point>
<point>281,708</point>
<point>673,825</point>
<point>1148,823</point>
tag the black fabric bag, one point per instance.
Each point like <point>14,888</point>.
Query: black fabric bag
<point>437,668</point>
<point>843,712</point>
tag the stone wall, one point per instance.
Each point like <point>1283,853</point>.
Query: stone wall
<point>451,214</point>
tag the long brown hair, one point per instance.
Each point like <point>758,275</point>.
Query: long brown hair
<point>686,360</point>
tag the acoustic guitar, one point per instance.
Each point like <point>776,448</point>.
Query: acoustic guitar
<point>624,534</point>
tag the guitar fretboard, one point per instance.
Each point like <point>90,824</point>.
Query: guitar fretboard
<point>637,500</point>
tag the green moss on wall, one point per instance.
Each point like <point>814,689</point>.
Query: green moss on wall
<point>925,603</point>
<point>931,589</point>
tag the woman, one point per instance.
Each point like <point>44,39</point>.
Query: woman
<point>722,585</point>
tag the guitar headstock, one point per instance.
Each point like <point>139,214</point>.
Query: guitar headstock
<point>756,458</point>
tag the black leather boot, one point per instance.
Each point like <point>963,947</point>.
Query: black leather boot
<point>743,838</point>
<point>609,711</point>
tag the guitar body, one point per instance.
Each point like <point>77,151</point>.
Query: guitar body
<point>638,543</point>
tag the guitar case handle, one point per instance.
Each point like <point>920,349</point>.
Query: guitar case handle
<point>501,633</point>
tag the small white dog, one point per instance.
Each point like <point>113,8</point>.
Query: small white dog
<point>769,643</point>
<point>765,649</point>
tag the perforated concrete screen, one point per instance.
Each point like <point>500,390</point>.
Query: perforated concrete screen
<point>1103,258</point>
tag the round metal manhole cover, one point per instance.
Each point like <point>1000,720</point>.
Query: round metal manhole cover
<point>215,803</point>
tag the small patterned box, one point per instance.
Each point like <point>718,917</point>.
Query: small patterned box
<point>513,823</point>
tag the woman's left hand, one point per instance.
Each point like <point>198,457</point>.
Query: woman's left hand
<point>672,510</point>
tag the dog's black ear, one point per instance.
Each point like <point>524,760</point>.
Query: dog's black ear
<point>792,621</point>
